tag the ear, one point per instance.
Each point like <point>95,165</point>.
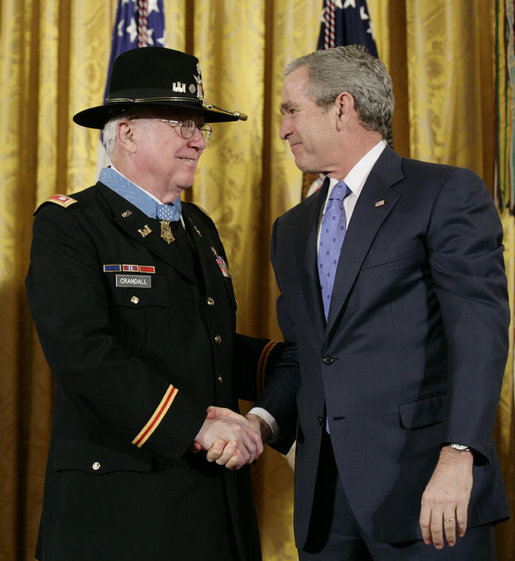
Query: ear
<point>125,136</point>
<point>344,105</point>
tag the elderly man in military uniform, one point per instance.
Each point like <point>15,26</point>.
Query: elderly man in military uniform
<point>133,302</point>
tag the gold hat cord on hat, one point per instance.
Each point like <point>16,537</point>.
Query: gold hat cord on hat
<point>237,114</point>
<point>149,99</point>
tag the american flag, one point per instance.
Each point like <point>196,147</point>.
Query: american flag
<point>138,23</point>
<point>343,22</point>
<point>346,22</point>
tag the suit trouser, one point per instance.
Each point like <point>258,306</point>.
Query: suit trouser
<point>335,535</point>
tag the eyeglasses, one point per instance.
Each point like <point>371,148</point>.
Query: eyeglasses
<point>188,128</point>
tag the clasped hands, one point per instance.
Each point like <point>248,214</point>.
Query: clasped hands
<point>232,440</point>
<point>229,439</point>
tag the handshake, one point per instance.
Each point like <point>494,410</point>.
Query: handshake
<point>231,440</point>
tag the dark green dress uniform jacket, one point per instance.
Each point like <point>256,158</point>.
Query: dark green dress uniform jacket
<point>140,342</point>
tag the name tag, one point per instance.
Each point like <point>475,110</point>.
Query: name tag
<point>134,281</point>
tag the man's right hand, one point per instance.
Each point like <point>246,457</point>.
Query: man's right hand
<point>228,438</point>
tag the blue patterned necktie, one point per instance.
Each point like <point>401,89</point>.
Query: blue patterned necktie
<point>332,234</point>
<point>171,212</point>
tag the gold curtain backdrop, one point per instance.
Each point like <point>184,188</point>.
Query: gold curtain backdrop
<point>53,63</point>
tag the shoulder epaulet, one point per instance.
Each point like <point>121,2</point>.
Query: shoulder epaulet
<point>61,200</point>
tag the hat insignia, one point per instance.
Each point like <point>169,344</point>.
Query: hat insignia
<point>198,79</point>
<point>179,87</point>
<point>167,78</point>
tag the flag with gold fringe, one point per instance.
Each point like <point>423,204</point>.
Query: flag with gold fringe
<point>138,23</point>
<point>346,22</point>
<point>343,22</point>
<point>505,95</point>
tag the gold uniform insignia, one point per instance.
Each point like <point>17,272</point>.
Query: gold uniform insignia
<point>61,200</point>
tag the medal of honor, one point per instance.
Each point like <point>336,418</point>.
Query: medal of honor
<point>166,232</point>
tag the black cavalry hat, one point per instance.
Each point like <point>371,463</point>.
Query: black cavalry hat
<point>154,77</point>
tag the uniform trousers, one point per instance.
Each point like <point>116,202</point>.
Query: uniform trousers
<point>335,534</point>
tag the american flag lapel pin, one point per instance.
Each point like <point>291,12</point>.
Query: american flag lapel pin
<point>382,202</point>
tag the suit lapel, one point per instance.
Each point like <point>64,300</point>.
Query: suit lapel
<point>306,248</point>
<point>375,203</point>
<point>146,231</point>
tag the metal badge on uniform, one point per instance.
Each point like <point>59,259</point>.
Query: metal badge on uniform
<point>133,281</point>
<point>126,213</point>
<point>224,268</point>
<point>145,231</point>
<point>166,232</point>
<point>195,227</point>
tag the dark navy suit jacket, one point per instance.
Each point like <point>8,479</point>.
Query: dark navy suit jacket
<point>413,353</point>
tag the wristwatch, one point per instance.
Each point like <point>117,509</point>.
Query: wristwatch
<point>458,447</point>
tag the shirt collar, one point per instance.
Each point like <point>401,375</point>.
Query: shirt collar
<point>136,195</point>
<point>358,175</point>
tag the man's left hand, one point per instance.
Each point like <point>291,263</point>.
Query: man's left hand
<point>443,512</point>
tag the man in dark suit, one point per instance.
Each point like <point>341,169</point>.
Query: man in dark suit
<point>395,316</point>
<point>133,301</point>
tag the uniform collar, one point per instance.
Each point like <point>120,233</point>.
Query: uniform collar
<point>141,199</point>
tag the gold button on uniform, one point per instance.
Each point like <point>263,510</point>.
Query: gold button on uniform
<point>95,466</point>
<point>210,301</point>
<point>218,338</point>
<point>135,300</point>
<point>220,379</point>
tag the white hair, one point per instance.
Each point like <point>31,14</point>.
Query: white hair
<point>109,133</point>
